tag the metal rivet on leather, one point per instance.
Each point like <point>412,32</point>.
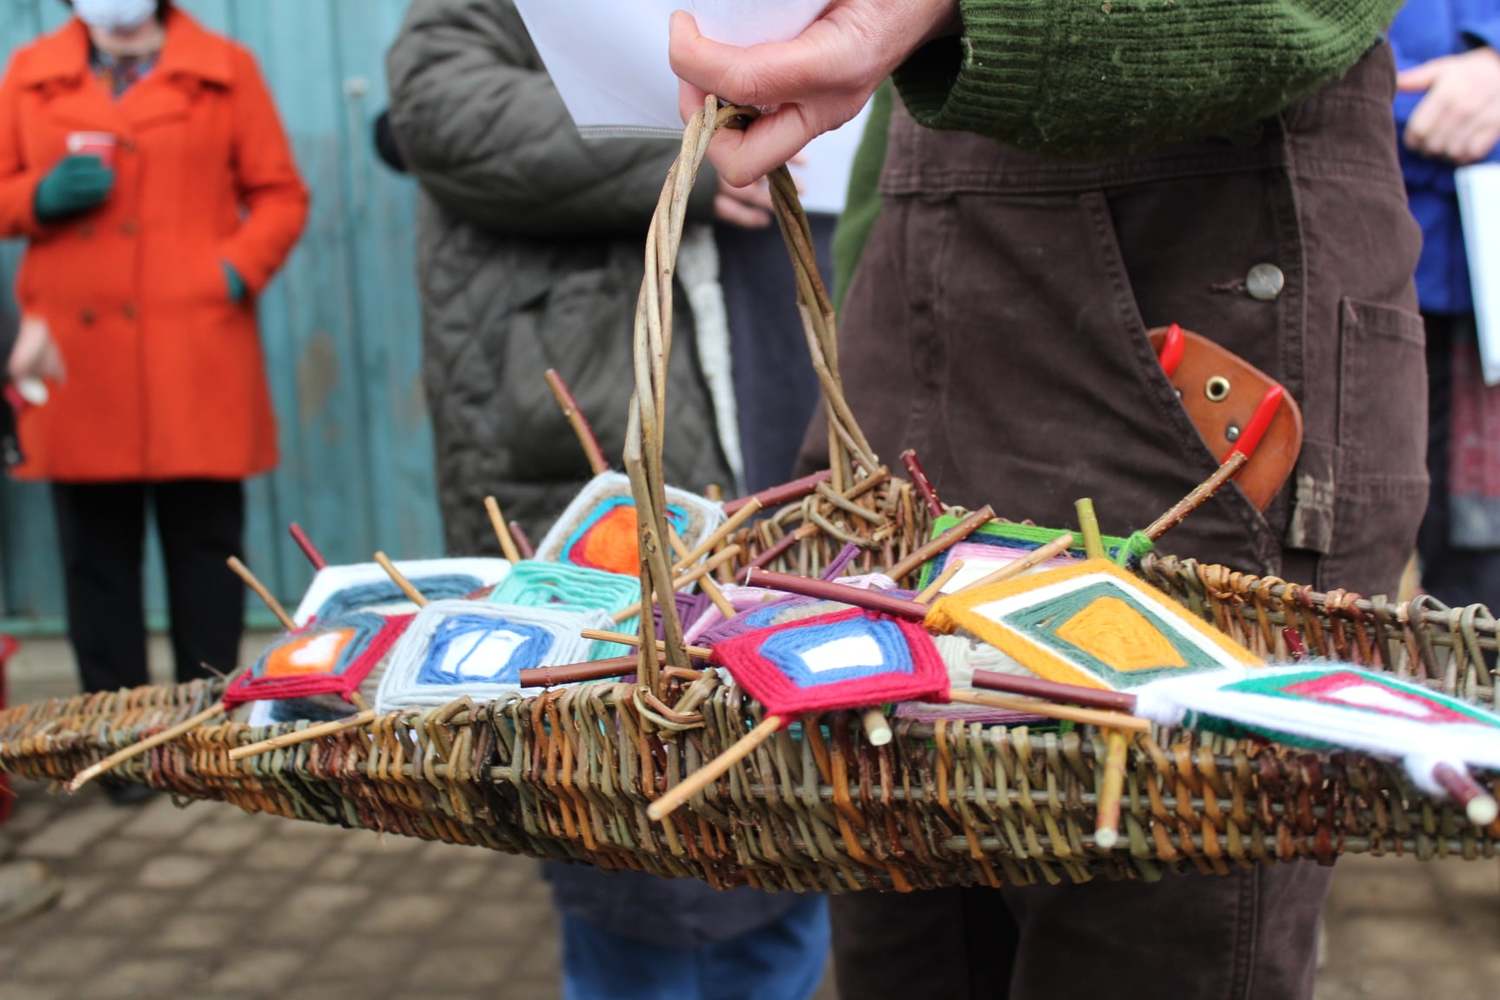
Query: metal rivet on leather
<point>1265,282</point>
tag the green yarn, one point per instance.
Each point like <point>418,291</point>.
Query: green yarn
<point>1124,551</point>
<point>534,583</point>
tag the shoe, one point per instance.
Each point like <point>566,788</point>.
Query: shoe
<point>26,888</point>
<point>127,794</point>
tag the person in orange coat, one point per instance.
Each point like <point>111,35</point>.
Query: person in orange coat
<point>143,160</point>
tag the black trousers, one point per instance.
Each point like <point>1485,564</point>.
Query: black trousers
<point>102,528</point>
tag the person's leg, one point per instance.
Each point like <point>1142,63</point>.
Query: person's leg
<point>100,530</point>
<point>201,524</point>
<point>953,944</point>
<point>783,960</point>
<point>599,965</point>
<point>1251,935</point>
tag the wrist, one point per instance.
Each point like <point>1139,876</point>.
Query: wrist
<point>947,21</point>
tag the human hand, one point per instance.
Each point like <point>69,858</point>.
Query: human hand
<point>35,354</point>
<point>810,85</point>
<point>1459,119</point>
<point>77,184</point>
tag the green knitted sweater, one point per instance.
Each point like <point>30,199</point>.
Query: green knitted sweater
<point>1112,77</point>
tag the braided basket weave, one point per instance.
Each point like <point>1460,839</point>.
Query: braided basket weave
<point>568,775</point>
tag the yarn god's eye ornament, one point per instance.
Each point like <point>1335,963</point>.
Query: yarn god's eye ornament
<point>339,590</point>
<point>536,584</point>
<point>599,529</point>
<point>455,649</point>
<point>848,659</point>
<point>1092,624</point>
<point>322,659</point>
<point>999,543</point>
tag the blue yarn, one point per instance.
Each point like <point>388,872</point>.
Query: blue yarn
<point>787,649</point>
<point>529,653</point>
<point>438,587</point>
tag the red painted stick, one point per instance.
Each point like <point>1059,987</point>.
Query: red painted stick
<point>943,542</point>
<point>921,482</point>
<point>518,535</point>
<point>571,673</point>
<point>781,546</point>
<point>1294,644</point>
<point>1070,694</point>
<point>1478,804</point>
<point>775,496</point>
<point>308,548</point>
<point>824,590</point>
<point>578,421</point>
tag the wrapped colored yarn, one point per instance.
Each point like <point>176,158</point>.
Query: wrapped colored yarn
<point>456,649</point>
<point>322,659</point>
<point>599,529</point>
<point>1011,540</point>
<point>339,590</point>
<point>533,583</point>
<point>848,659</point>
<point>1092,624</point>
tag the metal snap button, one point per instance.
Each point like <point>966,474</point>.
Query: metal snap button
<point>1265,282</point>
<point>1216,389</point>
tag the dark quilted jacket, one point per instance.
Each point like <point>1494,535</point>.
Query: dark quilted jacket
<point>530,245</point>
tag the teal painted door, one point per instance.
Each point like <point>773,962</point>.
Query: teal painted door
<point>340,324</point>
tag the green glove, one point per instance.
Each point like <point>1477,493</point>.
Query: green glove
<point>75,185</point>
<point>232,279</point>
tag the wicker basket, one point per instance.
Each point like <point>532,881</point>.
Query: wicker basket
<point>568,775</point>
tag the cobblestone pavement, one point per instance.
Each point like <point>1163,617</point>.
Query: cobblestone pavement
<point>211,902</point>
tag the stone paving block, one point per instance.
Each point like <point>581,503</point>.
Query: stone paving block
<point>81,890</point>
<point>1383,937</point>
<point>341,865</point>
<point>125,909</point>
<point>257,971</point>
<point>22,990</point>
<point>1387,890</point>
<point>242,892</point>
<point>312,913</point>
<point>222,838</point>
<point>406,913</point>
<point>1465,882</point>
<point>176,871</point>
<point>162,820</point>
<point>139,977</point>
<point>441,970</point>
<point>284,854</point>
<point>373,958</point>
<point>65,956</point>
<point>73,831</point>
<point>199,932</point>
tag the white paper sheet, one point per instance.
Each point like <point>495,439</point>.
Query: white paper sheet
<point>1479,205</point>
<point>609,61</point>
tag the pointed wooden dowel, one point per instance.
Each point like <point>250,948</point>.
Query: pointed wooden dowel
<point>502,531</point>
<point>1087,716</point>
<point>716,537</point>
<point>1198,497</point>
<point>826,590</point>
<point>943,542</point>
<point>1088,524</point>
<point>877,727</point>
<point>1107,811</point>
<point>399,579</point>
<point>922,483</point>
<point>114,760</point>
<point>1062,543</point>
<point>243,572</point>
<point>523,542</point>
<point>775,496</point>
<point>705,582</point>
<point>1067,694</point>
<point>577,421</point>
<point>624,639</point>
<point>696,574</point>
<point>308,548</point>
<point>713,770</point>
<point>572,673</point>
<point>933,589</point>
<point>303,735</point>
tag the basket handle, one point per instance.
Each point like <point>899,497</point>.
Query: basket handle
<point>849,451</point>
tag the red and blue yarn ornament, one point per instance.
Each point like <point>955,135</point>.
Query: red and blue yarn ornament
<point>339,590</point>
<point>1007,539</point>
<point>847,659</point>
<point>330,658</point>
<point>456,649</point>
<point>599,529</point>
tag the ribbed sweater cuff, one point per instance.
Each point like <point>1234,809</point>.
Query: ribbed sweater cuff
<point>990,75</point>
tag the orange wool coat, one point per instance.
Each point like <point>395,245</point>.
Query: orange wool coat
<point>165,376</point>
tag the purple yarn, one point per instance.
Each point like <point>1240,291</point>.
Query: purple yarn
<point>690,607</point>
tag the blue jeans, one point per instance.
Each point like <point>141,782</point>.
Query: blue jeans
<point>783,960</point>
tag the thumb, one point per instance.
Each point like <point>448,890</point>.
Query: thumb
<point>1421,77</point>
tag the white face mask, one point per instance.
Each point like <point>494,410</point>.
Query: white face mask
<point>114,15</point>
